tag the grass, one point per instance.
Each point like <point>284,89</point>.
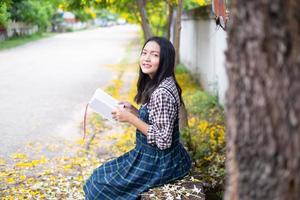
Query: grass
<point>18,41</point>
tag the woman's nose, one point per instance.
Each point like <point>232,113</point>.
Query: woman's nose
<point>147,57</point>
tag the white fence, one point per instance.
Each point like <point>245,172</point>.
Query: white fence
<point>18,29</point>
<point>202,48</point>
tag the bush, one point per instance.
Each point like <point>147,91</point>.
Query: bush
<point>4,15</point>
<point>205,134</point>
<point>33,12</point>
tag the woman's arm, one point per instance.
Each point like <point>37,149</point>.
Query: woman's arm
<point>162,115</point>
<point>139,124</point>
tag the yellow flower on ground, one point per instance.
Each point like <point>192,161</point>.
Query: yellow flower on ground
<point>192,121</point>
<point>19,156</point>
<point>22,177</point>
<point>10,180</point>
<point>203,124</point>
<point>2,162</point>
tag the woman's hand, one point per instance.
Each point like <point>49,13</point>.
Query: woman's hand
<point>128,113</point>
<point>129,107</point>
<point>122,114</point>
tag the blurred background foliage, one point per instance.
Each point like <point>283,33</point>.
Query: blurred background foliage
<point>41,13</point>
<point>4,15</point>
<point>33,12</point>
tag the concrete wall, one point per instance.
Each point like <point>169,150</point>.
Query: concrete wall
<point>202,48</point>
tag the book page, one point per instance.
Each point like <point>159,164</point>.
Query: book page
<point>103,104</point>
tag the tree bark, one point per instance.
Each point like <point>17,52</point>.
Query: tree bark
<point>263,100</point>
<point>177,31</point>
<point>145,21</point>
<point>169,19</point>
<point>183,119</point>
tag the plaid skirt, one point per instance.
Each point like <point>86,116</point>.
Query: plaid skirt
<point>133,173</point>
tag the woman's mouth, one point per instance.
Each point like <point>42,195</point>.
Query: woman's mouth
<point>146,66</point>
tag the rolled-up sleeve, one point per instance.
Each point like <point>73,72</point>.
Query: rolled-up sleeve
<point>162,115</point>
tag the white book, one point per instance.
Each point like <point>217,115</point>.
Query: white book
<point>103,104</point>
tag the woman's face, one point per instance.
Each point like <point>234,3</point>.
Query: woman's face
<point>149,59</point>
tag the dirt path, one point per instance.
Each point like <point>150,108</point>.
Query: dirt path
<point>45,85</point>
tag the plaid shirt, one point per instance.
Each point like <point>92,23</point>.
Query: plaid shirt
<point>163,111</point>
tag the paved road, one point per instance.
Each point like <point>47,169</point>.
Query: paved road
<point>45,85</point>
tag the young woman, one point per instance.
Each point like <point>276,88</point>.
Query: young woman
<point>158,157</point>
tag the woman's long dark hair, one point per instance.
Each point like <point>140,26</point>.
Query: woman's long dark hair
<point>166,68</point>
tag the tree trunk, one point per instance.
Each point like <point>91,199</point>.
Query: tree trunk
<point>263,100</point>
<point>177,30</point>
<point>169,19</point>
<point>145,21</point>
<point>183,117</point>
